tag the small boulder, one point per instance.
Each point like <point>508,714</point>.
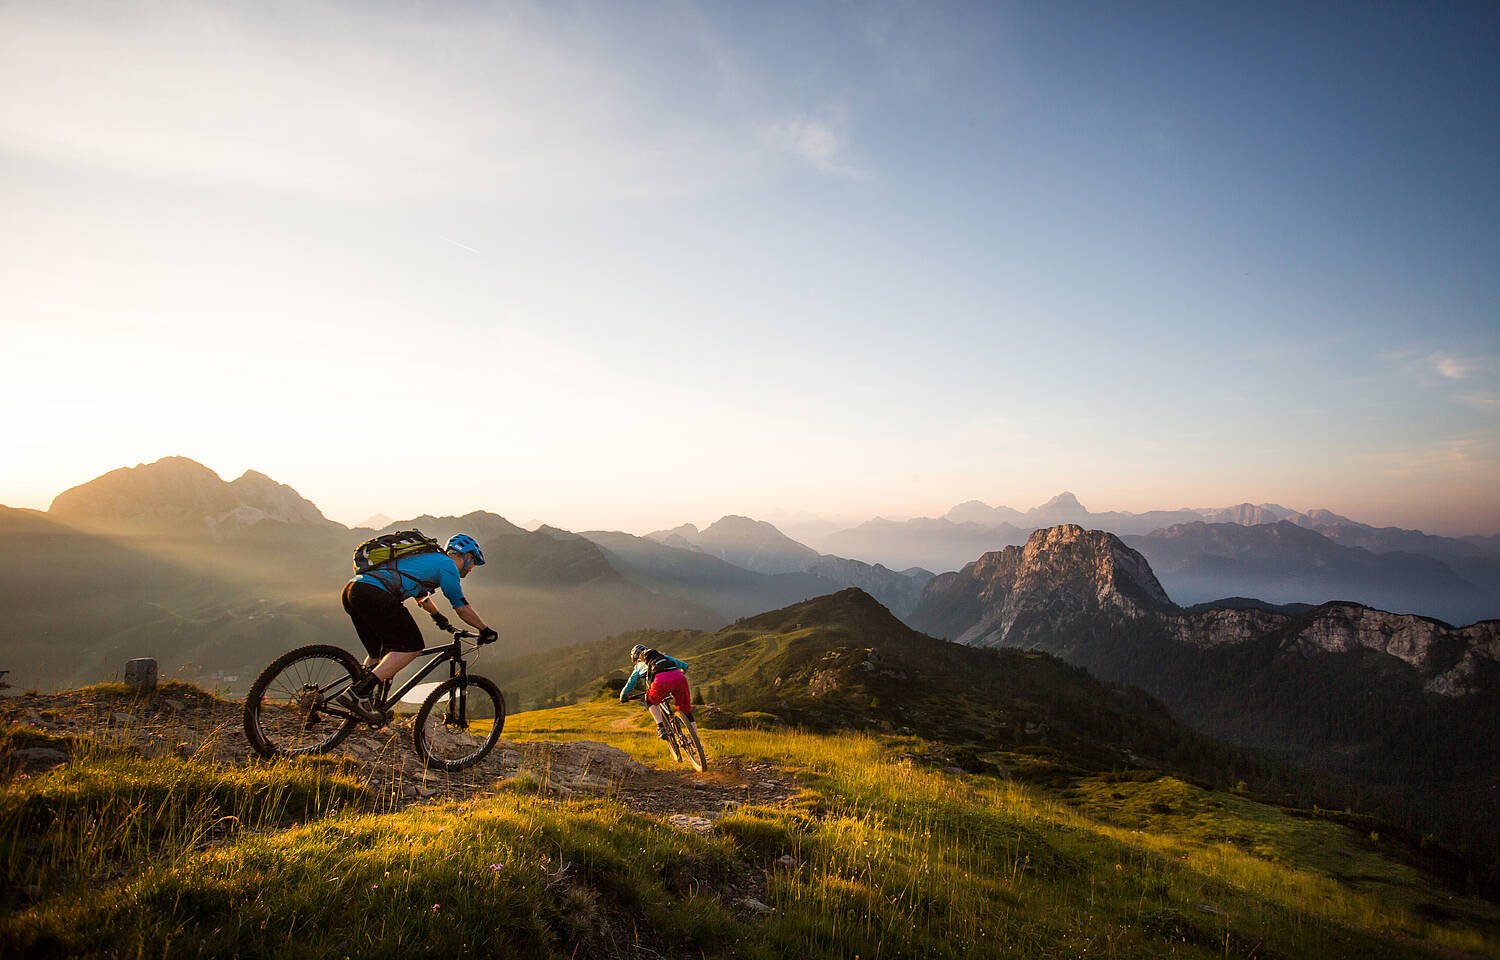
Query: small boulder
<point>683,821</point>
<point>140,675</point>
<point>755,906</point>
<point>40,756</point>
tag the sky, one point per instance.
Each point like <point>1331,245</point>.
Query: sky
<point>623,265</point>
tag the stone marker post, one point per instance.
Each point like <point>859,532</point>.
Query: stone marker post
<point>140,675</point>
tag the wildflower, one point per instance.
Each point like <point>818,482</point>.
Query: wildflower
<point>436,907</point>
<point>374,886</point>
<point>497,866</point>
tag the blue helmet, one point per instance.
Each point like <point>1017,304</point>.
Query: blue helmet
<point>463,543</point>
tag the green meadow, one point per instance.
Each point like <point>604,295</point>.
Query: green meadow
<point>877,854</point>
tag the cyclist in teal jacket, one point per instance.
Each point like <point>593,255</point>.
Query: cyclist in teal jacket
<point>666,675</point>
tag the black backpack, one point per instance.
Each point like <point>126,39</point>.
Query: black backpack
<point>379,555</point>
<point>382,551</point>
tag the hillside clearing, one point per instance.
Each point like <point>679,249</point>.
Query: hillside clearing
<point>793,843</point>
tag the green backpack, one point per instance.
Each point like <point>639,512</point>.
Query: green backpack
<point>387,548</point>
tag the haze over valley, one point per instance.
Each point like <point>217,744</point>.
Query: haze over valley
<point>222,574</point>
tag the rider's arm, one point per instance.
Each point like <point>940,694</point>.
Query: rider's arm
<point>453,590</point>
<point>426,604</point>
<point>635,675</point>
<point>467,615</point>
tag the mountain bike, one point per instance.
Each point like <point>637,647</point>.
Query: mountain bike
<point>289,710</point>
<point>682,736</point>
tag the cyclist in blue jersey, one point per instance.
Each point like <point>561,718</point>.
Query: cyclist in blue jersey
<point>375,602</point>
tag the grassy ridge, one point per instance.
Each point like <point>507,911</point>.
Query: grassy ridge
<point>877,856</point>
<point>844,662</point>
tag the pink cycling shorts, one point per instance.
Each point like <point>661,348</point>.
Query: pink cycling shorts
<point>675,683</point>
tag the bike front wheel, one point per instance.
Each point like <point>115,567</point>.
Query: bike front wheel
<point>459,723</point>
<point>285,710</point>
<point>692,747</point>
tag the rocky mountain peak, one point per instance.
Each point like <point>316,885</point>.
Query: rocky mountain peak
<point>1119,575</point>
<point>1064,501</point>
<point>177,493</point>
<point>1061,572</point>
<point>755,545</point>
<point>685,534</point>
<point>733,525</point>
<point>272,501</point>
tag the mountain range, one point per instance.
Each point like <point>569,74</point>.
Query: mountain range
<point>1206,554</point>
<point>224,574</point>
<point>167,559</point>
<point>1406,706</point>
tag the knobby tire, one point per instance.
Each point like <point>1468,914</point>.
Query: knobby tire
<point>284,713</point>
<point>691,745</point>
<point>442,738</point>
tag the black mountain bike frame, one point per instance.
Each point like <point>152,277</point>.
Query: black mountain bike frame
<point>451,653</point>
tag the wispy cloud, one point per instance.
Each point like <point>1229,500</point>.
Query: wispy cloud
<point>1454,367</point>
<point>1482,400</point>
<point>1462,455</point>
<point>343,99</point>
<point>1445,371</point>
<point>461,246</point>
<point>820,143</point>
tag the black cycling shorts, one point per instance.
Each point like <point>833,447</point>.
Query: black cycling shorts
<point>382,622</point>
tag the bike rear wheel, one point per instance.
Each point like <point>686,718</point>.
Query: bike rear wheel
<point>673,746</point>
<point>459,723</point>
<point>692,747</point>
<point>285,709</point>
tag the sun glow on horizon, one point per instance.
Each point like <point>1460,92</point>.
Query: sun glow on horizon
<point>623,271</point>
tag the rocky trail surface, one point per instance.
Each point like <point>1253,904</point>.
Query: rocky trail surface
<point>185,722</point>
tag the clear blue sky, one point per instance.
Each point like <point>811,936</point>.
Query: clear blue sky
<point>648,263</point>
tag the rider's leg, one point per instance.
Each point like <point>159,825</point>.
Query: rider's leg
<point>393,663</point>
<point>368,609</point>
<point>658,712</point>
<point>387,630</point>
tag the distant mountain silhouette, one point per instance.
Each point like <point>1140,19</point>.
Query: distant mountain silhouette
<point>213,578</point>
<point>1468,589</point>
<point>730,589</point>
<point>752,544</point>
<point>1283,562</point>
<point>216,578</point>
<point>943,544</point>
<point>178,494</point>
<point>758,546</point>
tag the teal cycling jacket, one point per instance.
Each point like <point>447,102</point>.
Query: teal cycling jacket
<point>643,670</point>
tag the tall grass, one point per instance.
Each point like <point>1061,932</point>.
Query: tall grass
<point>873,857</point>
<point>108,811</point>
<point>963,864</point>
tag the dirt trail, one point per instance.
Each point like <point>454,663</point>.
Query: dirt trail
<point>189,723</point>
